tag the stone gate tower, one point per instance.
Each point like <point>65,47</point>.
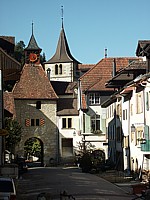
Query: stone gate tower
<point>35,102</point>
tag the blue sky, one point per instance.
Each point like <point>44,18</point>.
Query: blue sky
<point>90,25</point>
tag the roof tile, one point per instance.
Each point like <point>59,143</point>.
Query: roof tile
<point>34,84</point>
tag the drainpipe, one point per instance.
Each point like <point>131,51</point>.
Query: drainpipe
<point>144,128</point>
<point>129,138</point>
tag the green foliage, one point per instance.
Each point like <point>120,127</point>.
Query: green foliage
<point>86,162</point>
<point>42,58</point>
<point>32,147</point>
<point>19,52</point>
<point>14,136</point>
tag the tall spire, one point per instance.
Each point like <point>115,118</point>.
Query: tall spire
<point>62,16</point>
<point>62,53</point>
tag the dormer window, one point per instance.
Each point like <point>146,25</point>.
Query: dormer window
<point>94,98</point>
<point>56,69</point>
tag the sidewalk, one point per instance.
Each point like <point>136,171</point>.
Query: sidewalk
<point>126,183</point>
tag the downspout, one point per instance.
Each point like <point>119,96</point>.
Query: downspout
<point>129,140</point>
<point>115,130</point>
<point>80,95</point>
<point>144,127</point>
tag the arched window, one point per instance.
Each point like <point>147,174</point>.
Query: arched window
<point>56,69</point>
<point>60,69</point>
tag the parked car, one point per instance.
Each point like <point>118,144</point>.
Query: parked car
<point>7,189</point>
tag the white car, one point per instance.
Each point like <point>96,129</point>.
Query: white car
<point>7,189</point>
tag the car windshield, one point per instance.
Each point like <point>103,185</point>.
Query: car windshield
<point>6,186</point>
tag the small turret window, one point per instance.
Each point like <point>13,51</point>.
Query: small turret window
<point>60,69</point>
<point>56,69</point>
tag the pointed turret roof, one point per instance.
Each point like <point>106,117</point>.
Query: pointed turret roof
<point>32,43</point>
<point>62,53</point>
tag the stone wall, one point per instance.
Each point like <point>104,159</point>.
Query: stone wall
<point>46,131</point>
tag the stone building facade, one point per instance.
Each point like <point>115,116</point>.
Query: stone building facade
<point>35,105</point>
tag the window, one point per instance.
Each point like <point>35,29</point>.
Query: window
<point>147,100</point>
<point>37,122</point>
<point>34,122</point>
<point>139,103</point>
<point>95,122</point>
<point>56,69</point>
<point>119,110</point>
<point>126,141</point>
<point>139,136</point>
<point>94,98</point>
<point>67,123</point>
<point>60,69</point>
<point>38,105</point>
<point>125,114</point>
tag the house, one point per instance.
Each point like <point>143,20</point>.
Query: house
<point>130,121</point>
<point>63,71</point>
<point>92,95</point>
<point>9,74</point>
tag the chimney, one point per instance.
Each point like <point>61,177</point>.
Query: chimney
<point>114,68</point>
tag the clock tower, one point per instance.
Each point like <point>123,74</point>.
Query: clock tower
<point>32,51</point>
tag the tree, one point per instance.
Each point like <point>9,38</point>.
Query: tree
<point>19,52</point>
<point>14,133</point>
<point>32,147</point>
<point>42,58</point>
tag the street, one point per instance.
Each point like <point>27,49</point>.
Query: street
<point>55,180</point>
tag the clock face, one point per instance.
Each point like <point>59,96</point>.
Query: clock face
<point>32,57</point>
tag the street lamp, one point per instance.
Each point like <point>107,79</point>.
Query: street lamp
<point>132,128</point>
<point>48,73</point>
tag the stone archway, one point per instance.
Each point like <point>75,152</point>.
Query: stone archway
<point>34,151</point>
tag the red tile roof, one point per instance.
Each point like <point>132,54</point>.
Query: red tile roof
<point>34,84</point>
<point>97,76</point>
<point>9,102</point>
<point>85,66</point>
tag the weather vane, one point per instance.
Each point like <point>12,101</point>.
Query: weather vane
<point>32,27</point>
<point>62,14</point>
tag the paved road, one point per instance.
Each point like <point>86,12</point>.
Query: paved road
<point>54,180</point>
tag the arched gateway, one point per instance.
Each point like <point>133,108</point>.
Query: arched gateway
<point>33,151</point>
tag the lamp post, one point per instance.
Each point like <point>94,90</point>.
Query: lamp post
<point>132,128</point>
<point>48,73</point>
